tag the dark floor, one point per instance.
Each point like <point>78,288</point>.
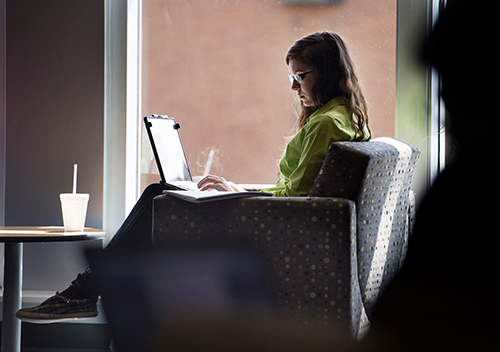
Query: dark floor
<point>71,337</point>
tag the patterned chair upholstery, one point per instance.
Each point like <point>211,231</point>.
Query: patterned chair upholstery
<point>329,255</point>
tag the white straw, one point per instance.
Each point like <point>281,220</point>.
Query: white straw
<point>75,170</point>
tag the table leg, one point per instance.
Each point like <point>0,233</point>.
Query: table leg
<point>12,287</point>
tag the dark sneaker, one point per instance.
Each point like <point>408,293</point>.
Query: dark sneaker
<point>58,308</point>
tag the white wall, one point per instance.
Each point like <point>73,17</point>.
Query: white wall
<point>54,118</point>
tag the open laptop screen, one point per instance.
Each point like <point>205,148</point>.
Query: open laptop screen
<point>167,148</point>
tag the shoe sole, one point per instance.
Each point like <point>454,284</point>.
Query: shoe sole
<point>52,318</point>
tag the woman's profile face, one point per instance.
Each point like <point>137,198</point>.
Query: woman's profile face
<point>309,80</point>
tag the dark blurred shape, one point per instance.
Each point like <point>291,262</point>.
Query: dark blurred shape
<point>142,291</point>
<point>462,47</point>
<point>445,297</point>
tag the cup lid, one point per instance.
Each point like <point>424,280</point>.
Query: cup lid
<point>74,196</point>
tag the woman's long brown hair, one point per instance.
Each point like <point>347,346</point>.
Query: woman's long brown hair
<point>327,53</point>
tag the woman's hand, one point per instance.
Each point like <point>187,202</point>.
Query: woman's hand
<point>211,182</point>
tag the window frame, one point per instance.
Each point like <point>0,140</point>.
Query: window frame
<point>420,111</point>
<point>122,89</point>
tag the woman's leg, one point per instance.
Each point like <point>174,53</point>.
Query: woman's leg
<point>135,233</point>
<point>136,230</point>
<point>80,298</point>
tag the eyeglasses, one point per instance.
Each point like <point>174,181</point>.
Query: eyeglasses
<point>298,77</point>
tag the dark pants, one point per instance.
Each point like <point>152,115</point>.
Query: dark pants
<point>135,232</point>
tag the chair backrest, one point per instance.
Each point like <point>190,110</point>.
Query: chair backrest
<point>377,175</point>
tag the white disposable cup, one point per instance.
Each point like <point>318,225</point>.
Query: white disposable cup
<point>74,210</point>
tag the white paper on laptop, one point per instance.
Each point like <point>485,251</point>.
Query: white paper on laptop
<point>208,196</point>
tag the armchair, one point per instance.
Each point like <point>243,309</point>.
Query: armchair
<point>329,255</point>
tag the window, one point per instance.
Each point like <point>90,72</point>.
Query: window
<point>218,67</point>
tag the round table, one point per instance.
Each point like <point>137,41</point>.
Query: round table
<point>14,237</point>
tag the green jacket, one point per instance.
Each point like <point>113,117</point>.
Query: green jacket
<point>305,153</point>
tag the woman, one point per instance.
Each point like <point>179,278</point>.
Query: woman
<point>333,108</point>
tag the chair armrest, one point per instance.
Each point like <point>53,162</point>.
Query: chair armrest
<point>329,218</point>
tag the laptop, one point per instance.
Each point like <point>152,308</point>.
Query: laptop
<point>163,133</point>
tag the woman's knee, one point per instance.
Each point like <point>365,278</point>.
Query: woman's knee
<point>153,190</point>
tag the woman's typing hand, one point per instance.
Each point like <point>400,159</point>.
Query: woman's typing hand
<point>211,182</point>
